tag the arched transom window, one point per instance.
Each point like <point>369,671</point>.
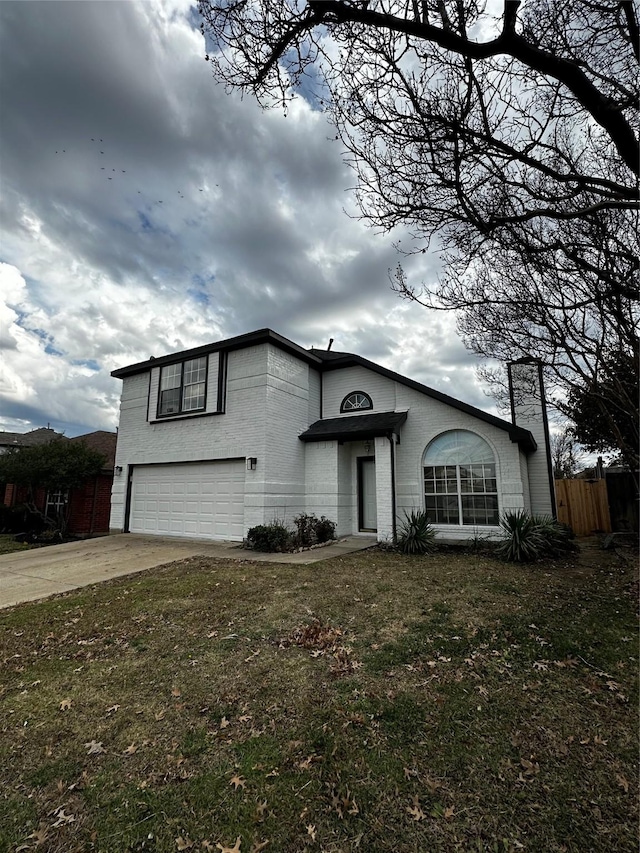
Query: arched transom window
<point>460,485</point>
<point>356,401</point>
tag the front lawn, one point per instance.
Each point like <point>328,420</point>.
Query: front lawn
<point>8,544</point>
<point>370,703</point>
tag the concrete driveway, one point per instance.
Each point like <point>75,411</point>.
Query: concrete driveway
<point>34,574</point>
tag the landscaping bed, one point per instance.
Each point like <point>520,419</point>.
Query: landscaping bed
<point>372,702</point>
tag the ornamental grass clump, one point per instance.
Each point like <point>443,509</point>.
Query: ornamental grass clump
<point>416,535</point>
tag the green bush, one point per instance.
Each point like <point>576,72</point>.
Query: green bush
<point>325,529</point>
<point>311,530</point>
<point>416,535</point>
<point>526,537</point>
<point>272,537</point>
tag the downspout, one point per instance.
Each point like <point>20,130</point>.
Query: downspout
<point>394,531</point>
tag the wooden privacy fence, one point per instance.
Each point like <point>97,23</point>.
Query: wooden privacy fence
<point>583,505</point>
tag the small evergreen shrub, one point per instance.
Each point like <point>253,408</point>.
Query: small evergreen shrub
<point>272,537</point>
<point>525,538</point>
<point>416,535</point>
<point>311,530</point>
<point>325,529</point>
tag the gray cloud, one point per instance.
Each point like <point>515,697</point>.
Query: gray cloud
<point>218,218</point>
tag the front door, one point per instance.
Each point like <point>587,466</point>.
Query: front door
<point>367,507</point>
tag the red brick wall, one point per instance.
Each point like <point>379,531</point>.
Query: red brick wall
<point>89,509</point>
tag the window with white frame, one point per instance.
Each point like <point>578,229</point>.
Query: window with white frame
<point>460,485</point>
<point>182,387</point>
<point>56,503</point>
<point>356,401</point>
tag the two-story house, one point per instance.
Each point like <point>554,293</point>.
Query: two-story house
<point>217,439</point>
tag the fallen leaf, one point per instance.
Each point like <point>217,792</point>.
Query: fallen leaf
<point>183,843</point>
<point>622,782</point>
<point>415,811</point>
<point>39,835</point>
<point>311,831</point>
<point>224,723</point>
<point>176,692</point>
<point>131,749</point>
<point>63,818</point>
<point>113,709</point>
<point>65,705</point>
<point>432,784</point>
<point>234,849</point>
<point>238,782</point>
<point>260,810</point>
<point>600,741</point>
<point>531,768</point>
<point>95,747</point>
<point>257,846</point>
<point>160,716</point>
<point>448,813</point>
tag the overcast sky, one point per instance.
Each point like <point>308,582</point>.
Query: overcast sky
<point>145,211</point>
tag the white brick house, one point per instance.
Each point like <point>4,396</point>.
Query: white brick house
<point>217,439</point>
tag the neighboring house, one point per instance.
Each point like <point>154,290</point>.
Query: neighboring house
<point>89,504</point>
<point>217,439</point>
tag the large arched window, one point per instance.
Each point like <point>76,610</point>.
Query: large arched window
<point>460,485</point>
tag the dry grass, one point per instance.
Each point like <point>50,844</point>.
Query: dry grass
<point>369,703</point>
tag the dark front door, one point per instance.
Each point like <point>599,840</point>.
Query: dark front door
<point>367,508</point>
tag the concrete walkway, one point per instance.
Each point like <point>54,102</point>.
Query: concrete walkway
<point>40,572</point>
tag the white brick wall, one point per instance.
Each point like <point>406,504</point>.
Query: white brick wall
<point>265,387</point>
<point>272,397</point>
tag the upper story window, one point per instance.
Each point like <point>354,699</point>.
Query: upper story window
<point>460,485</point>
<point>182,387</point>
<point>356,401</point>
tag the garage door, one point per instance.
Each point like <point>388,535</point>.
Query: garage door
<point>203,500</point>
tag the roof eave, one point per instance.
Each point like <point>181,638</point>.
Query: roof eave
<point>261,336</point>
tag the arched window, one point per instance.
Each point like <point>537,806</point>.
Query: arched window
<point>460,485</point>
<point>356,401</point>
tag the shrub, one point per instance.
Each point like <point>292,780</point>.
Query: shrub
<point>525,537</point>
<point>311,530</point>
<point>272,537</point>
<point>304,534</point>
<point>325,529</point>
<point>416,535</point>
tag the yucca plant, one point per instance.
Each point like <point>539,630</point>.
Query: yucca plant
<point>527,537</point>
<point>557,537</point>
<point>416,535</point>
<point>521,538</point>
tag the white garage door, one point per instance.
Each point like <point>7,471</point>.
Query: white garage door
<point>204,500</point>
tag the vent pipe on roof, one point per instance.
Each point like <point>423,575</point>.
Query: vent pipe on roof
<point>330,344</point>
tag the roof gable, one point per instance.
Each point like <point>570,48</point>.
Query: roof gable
<point>339,360</point>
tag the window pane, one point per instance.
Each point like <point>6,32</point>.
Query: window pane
<point>170,377</point>
<point>479,509</point>
<point>193,397</point>
<point>195,370</point>
<point>170,401</point>
<point>442,509</point>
